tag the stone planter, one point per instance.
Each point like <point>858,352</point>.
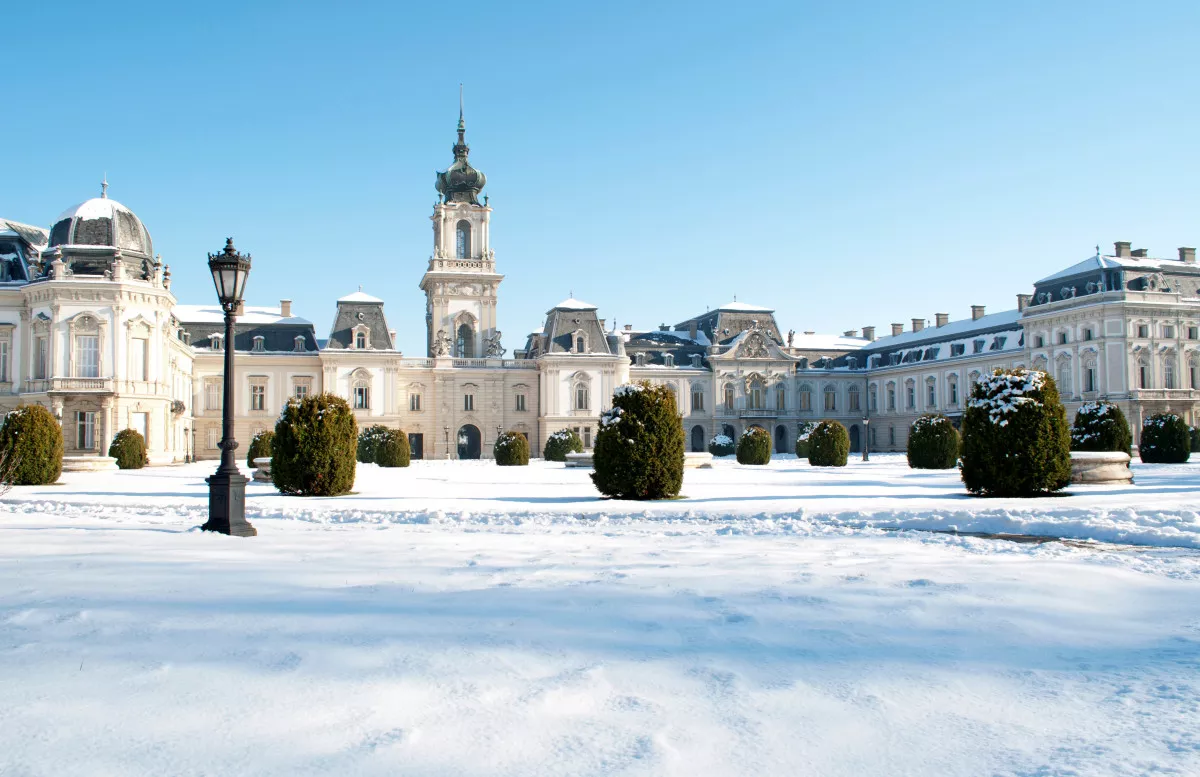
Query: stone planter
<point>89,464</point>
<point>1100,467</point>
<point>579,460</point>
<point>698,460</point>
<point>262,469</point>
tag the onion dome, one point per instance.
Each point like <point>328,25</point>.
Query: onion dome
<point>102,222</point>
<point>461,182</point>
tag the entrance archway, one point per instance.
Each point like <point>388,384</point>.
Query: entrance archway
<point>697,438</point>
<point>781,445</point>
<point>854,442</point>
<point>469,442</point>
<point>729,432</point>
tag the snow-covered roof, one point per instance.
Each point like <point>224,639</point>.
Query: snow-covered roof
<point>1104,262</point>
<point>212,314</point>
<point>37,236</point>
<point>742,307</point>
<point>359,296</point>
<point>659,335</point>
<point>818,342</point>
<point>951,331</point>
<point>574,304</point>
<point>95,208</point>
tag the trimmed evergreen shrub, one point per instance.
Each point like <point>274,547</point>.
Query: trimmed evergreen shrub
<point>393,450</point>
<point>369,440</point>
<point>1165,440</point>
<point>559,444</point>
<point>260,446</point>
<point>802,433</point>
<point>639,449</point>
<point>722,445</point>
<point>32,438</point>
<point>512,450</point>
<point>313,452</point>
<point>828,445</point>
<point>1195,439</point>
<point>1100,426</point>
<point>754,447</point>
<point>129,449</point>
<point>1016,441</point>
<point>933,443</point>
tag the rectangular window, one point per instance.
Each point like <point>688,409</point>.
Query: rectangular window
<point>1168,331</point>
<point>301,387</point>
<point>931,394</point>
<point>4,374</point>
<point>873,400</point>
<point>42,363</point>
<point>1169,376</point>
<point>830,400</point>
<point>140,423</point>
<point>212,395</point>
<point>1192,376</point>
<point>855,402</point>
<point>416,445</point>
<point>1039,342</point>
<point>912,397</point>
<point>1143,377</point>
<point>1143,330</point>
<point>954,392</point>
<point>581,398</point>
<point>87,356</point>
<point>85,431</point>
<point>362,397</point>
<point>978,345</point>
<point>697,400</point>
<point>587,437</point>
<point>520,403</point>
<point>1087,334</point>
<point>468,402</point>
<point>414,402</point>
<point>1089,379</point>
<point>1193,333</point>
<point>214,436</point>
<point>805,401</point>
<point>258,396</point>
<point>1062,338</point>
<point>891,399</point>
<point>137,359</point>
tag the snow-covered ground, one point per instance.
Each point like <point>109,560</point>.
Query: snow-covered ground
<point>460,618</point>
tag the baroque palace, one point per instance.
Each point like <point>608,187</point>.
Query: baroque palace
<point>90,327</point>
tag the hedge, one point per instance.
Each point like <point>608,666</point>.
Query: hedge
<point>315,446</point>
<point>1100,426</point>
<point>260,446</point>
<point>559,444</point>
<point>369,440</point>
<point>32,442</point>
<point>721,445</point>
<point>1165,440</point>
<point>511,450</point>
<point>933,443</point>
<point>802,433</point>
<point>754,447</point>
<point>639,449</point>
<point>393,449</point>
<point>828,445</point>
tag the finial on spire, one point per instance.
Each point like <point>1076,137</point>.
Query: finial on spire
<point>462,124</point>
<point>360,287</point>
<point>104,187</point>
<point>1097,249</point>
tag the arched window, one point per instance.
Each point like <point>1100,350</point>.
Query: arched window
<point>1169,374</point>
<point>891,397</point>
<point>910,388</point>
<point>728,396</point>
<point>855,400</point>
<point>830,398</point>
<point>931,392</point>
<point>805,397</point>
<point>362,391</point>
<point>299,343</point>
<point>360,340</point>
<point>581,396</point>
<point>462,240</point>
<point>1144,374</point>
<point>780,397</point>
<point>260,343</point>
<point>756,395</point>
<point>464,346</point>
<point>579,345</point>
<point>873,399</point>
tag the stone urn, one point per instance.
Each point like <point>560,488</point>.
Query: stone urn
<point>1100,467</point>
<point>262,469</point>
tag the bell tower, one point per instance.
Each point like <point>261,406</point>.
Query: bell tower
<point>461,282</point>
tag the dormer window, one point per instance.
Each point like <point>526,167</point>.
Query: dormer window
<point>669,359</point>
<point>639,359</point>
<point>299,343</point>
<point>580,347</point>
<point>217,341</point>
<point>260,343</point>
<point>360,340</point>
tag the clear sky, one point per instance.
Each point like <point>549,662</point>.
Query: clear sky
<point>845,163</point>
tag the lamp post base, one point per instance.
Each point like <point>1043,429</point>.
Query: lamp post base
<point>227,505</point>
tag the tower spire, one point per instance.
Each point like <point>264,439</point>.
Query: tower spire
<point>104,187</point>
<point>462,125</point>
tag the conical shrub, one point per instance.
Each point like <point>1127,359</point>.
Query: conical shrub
<point>639,449</point>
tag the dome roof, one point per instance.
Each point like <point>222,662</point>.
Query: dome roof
<point>461,182</point>
<point>102,222</point>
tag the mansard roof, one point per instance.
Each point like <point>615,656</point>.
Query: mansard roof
<point>360,309</point>
<point>563,321</point>
<point>279,333</point>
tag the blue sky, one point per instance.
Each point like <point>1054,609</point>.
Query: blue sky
<point>846,164</point>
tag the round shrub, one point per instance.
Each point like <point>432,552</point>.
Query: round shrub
<point>802,433</point>
<point>32,442</point>
<point>1165,440</point>
<point>828,445</point>
<point>1015,436</point>
<point>933,443</point>
<point>369,440</point>
<point>1100,426</point>
<point>129,449</point>
<point>260,447</point>
<point>393,450</point>
<point>754,446</point>
<point>722,445</point>
<point>512,450</point>
<point>313,453</point>
<point>639,449</point>
<point>559,444</point>
<point>1195,439</point>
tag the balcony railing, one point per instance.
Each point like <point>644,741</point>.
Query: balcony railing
<point>36,386</point>
<point>81,384</point>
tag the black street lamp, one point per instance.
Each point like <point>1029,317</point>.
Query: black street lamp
<point>227,486</point>
<point>866,438</point>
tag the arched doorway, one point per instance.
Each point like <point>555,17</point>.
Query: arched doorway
<point>697,438</point>
<point>854,441</point>
<point>729,432</point>
<point>781,441</point>
<point>468,442</point>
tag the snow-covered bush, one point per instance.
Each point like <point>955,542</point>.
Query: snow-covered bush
<point>260,446</point>
<point>828,445</point>
<point>512,450</point>
<point>721,445</point>
<point>1015,436</point>
<point>802,432</point>
<point>559,444</point>
<point>639,449</point>
<point>933,443</point>
<point>1165,440</point>
<point>369,440</point>
<point>128,447</point>
<point>754,446</point>
<point>1100,426</point>
<point>1195,438</point>
<point>393,450</point>
<point>32,438</point>
<point>315,446</point>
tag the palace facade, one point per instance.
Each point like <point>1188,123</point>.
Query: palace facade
<point>91,328</point>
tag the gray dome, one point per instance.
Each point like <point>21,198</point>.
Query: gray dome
<point>102,222</point>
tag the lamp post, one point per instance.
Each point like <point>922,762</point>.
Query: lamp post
<point>866,438</point>
<point>227,486</point>
<point>187,451</point>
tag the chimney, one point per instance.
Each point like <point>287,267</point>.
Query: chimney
<point>664,328</point>
<point>1023,301</point>
<point>285,308</point>
<point>869,333</point>
<point>693,329</point>
<point>897,329</point>
<point>629,327</point>
<point>1138,253</point>
<point>918,324</point>
<point>942,318</point>
<point>1187,255</point>
<point>977,312</point>
<point>810,332</point>
<point>850,333</point>
<point>1122,249</point>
